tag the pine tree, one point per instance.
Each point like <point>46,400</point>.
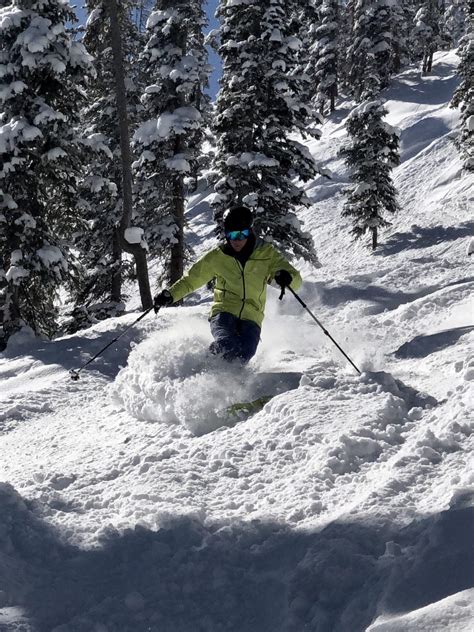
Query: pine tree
<point>327,55</point>
<point>403,35</point>
<point>305,22</point>
<point>428,32</point>
<point>126,232</point>
<point>370,155</point>
<point>464,95</point>
<point>170,136</point>
<point>257,110</point>
<point>43,75</point>
<point>455,21</point>
<point>363,79</point>
<point>99,292</point>
<point>371,55</point>
<point>347,19</point>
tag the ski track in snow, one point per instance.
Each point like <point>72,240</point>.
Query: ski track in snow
<point>345,505</point>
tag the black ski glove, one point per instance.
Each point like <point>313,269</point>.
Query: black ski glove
<point>283,278</point>
<point>163,299</point>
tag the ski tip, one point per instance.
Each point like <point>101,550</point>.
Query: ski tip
<point>247,408</point>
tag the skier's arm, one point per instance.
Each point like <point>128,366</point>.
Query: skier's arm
<point>198,275</point>
<point>280,263</point>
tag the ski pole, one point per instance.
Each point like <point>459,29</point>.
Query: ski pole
<point>323,328</point>
<point>74,374</point>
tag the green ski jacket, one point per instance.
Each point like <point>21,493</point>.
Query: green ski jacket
<point>239,290</point>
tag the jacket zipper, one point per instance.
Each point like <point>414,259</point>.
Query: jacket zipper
<point>243,284</point>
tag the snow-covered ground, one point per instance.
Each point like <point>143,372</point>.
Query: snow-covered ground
<point>346,504</point>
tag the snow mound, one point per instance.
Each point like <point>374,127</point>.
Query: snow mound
<point>452,614</point>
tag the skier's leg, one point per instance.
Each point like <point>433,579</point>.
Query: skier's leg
<point>224,329</point>
<point>234,339</point>
<point>249,339</point>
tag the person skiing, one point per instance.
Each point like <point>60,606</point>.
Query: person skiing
<point>241,267</point>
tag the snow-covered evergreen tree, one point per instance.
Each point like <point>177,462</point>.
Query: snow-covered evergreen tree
<point>455,20</point>
<point>363,79</point>
<point>428,31</point>
<point>327,55</point>
<point>99,245</point>
<point>305,22</point>
<point>403,34</point>
<point>464,95</point>
<point>257,110</point>
<point>345,40</point>
<point>42,80</point>
<point>169,138</point>
<point>371,55</point>
<point>371,154</point>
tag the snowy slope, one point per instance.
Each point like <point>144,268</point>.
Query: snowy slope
<point>345,505</point>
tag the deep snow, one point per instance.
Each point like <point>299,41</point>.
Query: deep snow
<point>345,505</point>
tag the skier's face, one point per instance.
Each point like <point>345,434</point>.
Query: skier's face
<point>237,244</point>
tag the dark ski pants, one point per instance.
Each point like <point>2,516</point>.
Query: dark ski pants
<point>234,339</point>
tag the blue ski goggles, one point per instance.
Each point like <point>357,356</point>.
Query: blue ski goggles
<point>238,235</point>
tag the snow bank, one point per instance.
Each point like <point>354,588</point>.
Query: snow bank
<point>452,614</point>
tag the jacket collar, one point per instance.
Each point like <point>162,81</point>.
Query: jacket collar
<point>244,255</point>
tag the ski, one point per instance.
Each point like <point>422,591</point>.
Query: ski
<point>247,408</point>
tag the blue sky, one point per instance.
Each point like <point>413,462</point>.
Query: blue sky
<point>213,58</point>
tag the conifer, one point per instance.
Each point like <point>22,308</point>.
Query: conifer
<point>464,95</point>
<point>99,290</point>
<point>371,154</point>
<point>258,162</point>
<point>327,55</point>
<point>371,54</point>
<point>43,75</point>
<point>455,21</point>
<point>428,31</point>
<point>169,138</point>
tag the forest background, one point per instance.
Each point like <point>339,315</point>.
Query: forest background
<point>107,129</point>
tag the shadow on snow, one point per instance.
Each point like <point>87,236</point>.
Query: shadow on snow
<point>419,135</point>
<point>423,237</point>
<point>381,298</point>
<point>244,577</point>
<point>436,89</point>
<point>73,351</point>
<point>424,345</point>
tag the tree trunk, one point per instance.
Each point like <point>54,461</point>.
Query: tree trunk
<point>322,105</point>
<point>116,285</point>
<point>427,61</point>
<point>374,237</point>
<point>126,157</point>
<point>10,314</point>
<point>176,265</point>
<point>177,249</point>
<point>430,61</point>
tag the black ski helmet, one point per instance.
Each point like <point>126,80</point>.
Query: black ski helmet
<point>238,218</point>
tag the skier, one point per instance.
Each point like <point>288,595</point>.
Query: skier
<point>241,268</point>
